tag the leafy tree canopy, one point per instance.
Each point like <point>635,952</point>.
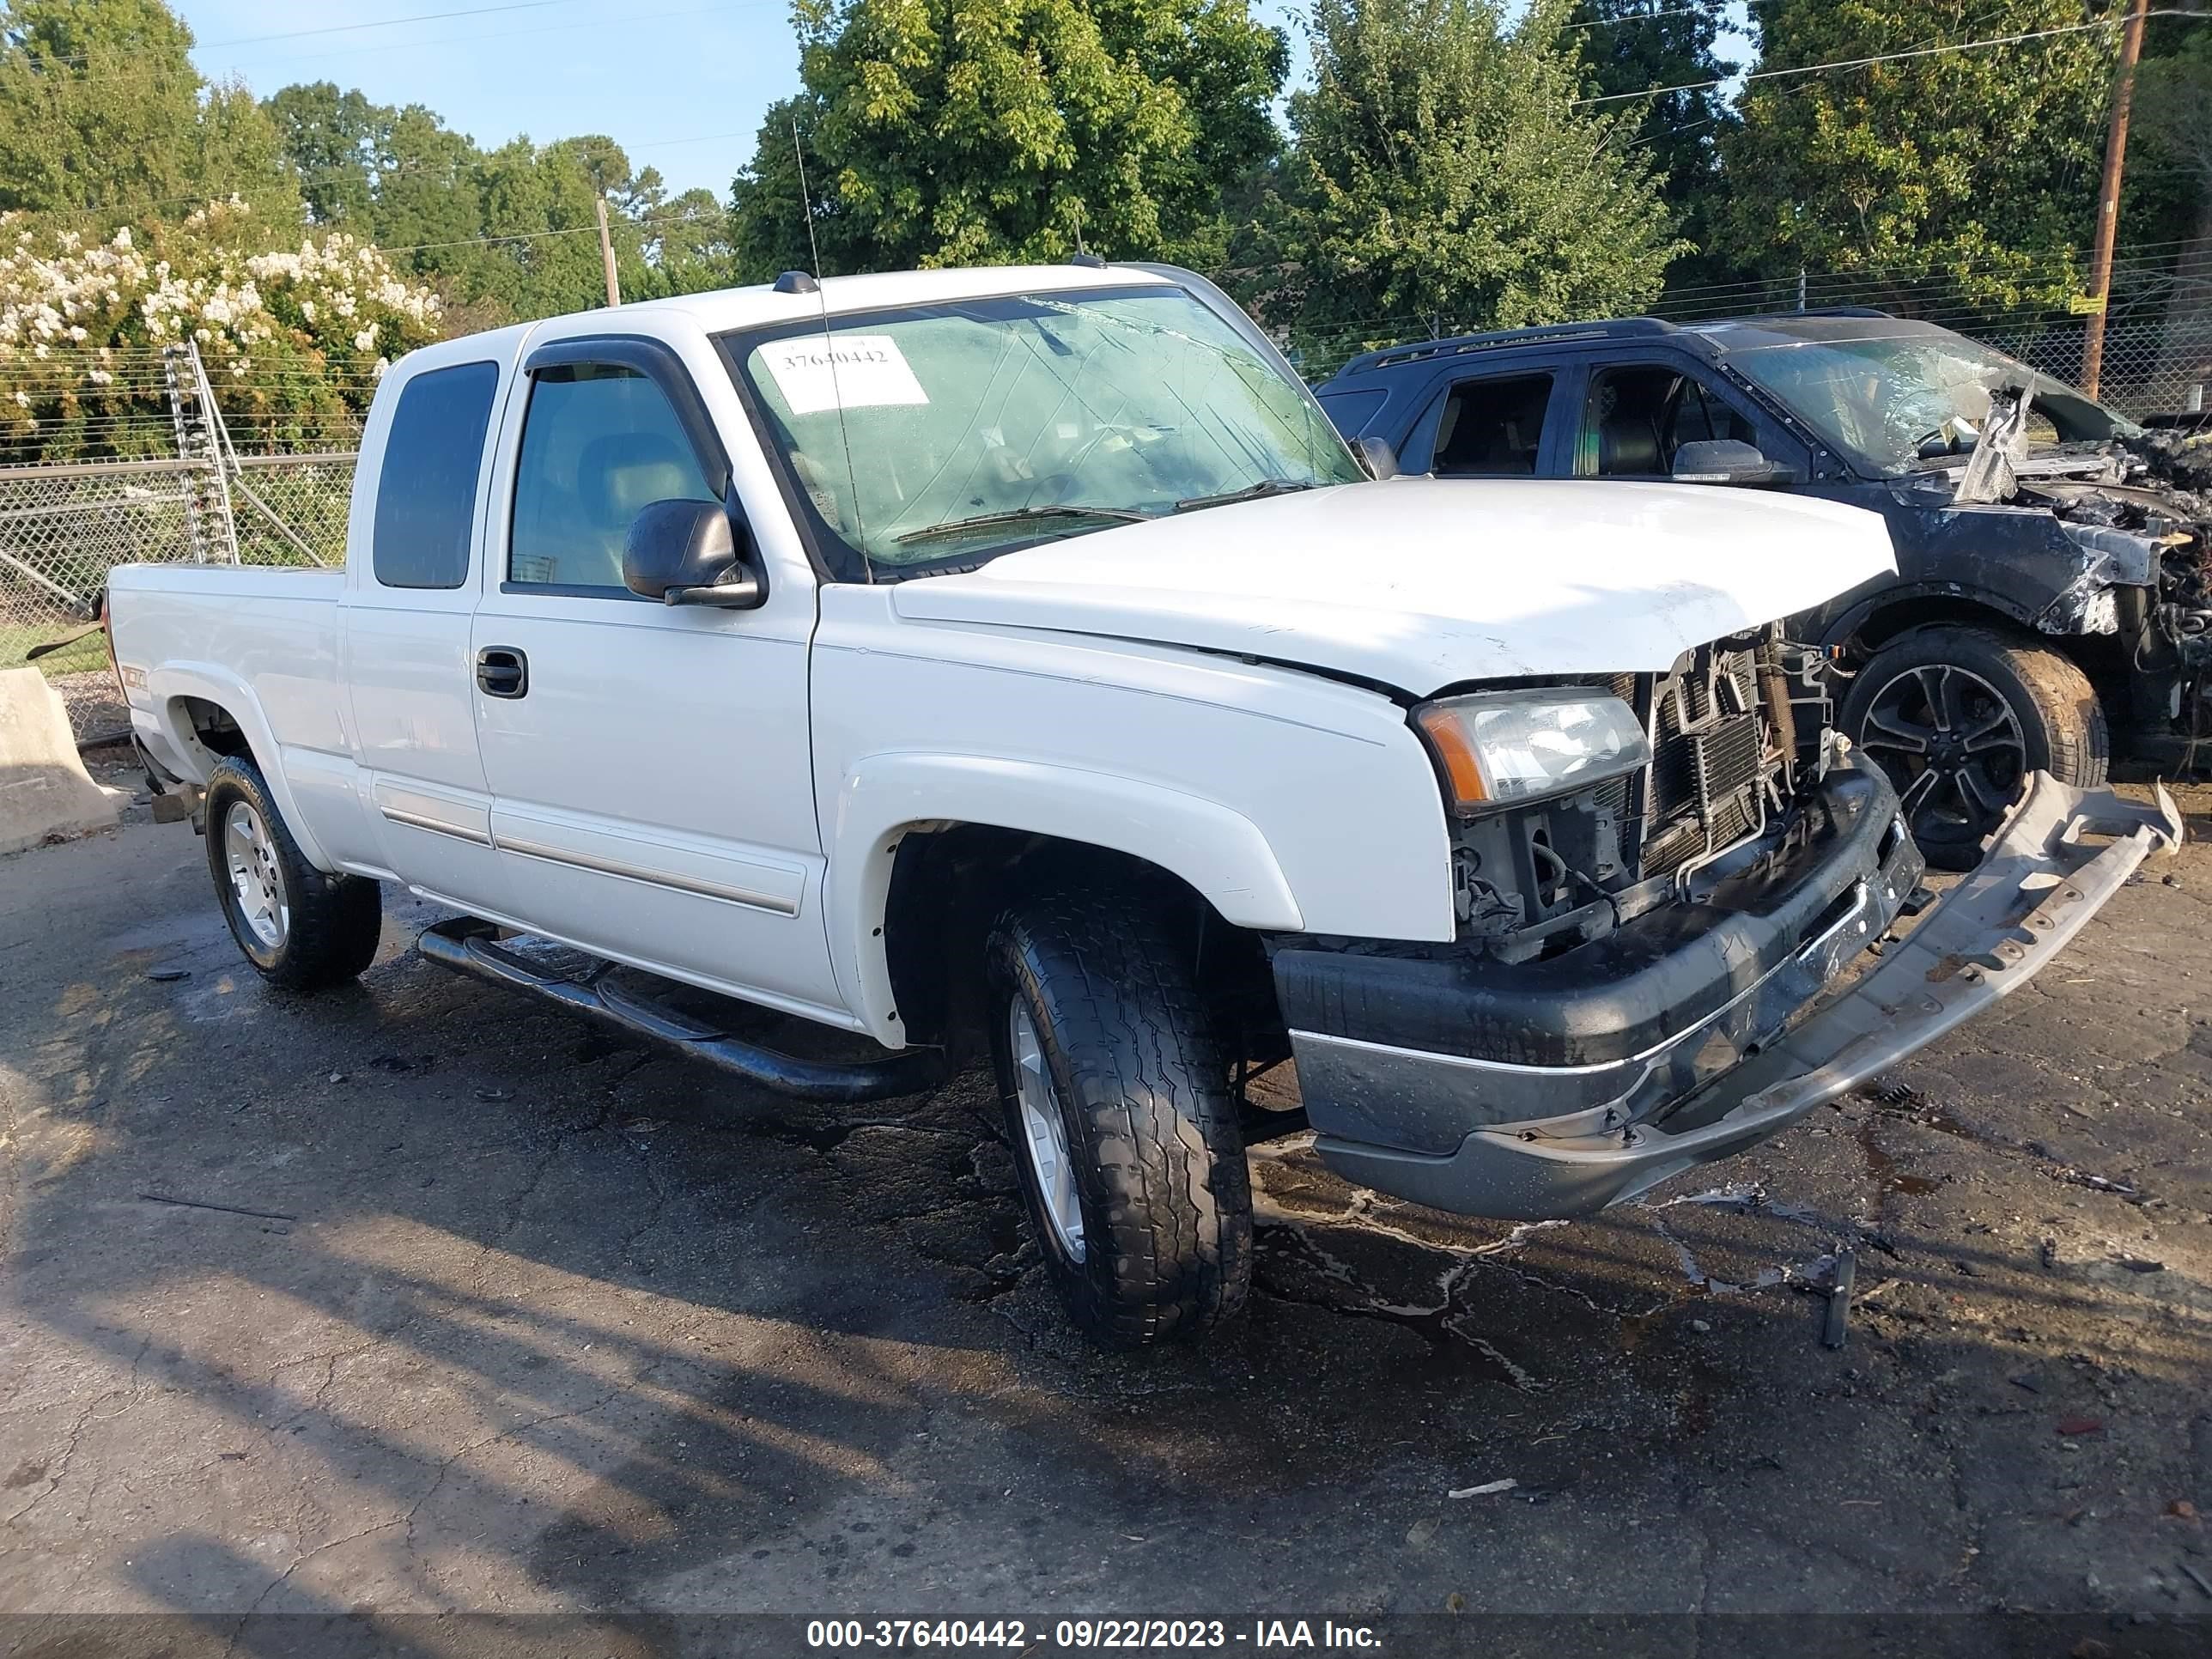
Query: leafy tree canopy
<point>1630,46</point>
<point>989,131</point>
<point>103,117</point>
<point>1443,175</point>
<point>1977,166</point>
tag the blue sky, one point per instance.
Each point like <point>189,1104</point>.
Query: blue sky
<point>679,83</point>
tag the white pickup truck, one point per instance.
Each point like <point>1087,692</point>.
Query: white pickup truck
<point>1017,660</point>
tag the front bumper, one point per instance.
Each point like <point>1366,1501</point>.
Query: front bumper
<point>1586,1135</point>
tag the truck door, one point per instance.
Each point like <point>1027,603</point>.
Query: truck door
<point>650,768</point>
<point>406,634</point>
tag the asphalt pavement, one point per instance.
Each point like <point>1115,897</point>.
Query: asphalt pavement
<point>419,1298</point>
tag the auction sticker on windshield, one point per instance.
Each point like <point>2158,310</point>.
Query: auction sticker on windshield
<point>858,371</point>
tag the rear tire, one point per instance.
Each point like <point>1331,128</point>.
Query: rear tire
<point>302,929</point>
<point>1122,1125</point>
<point>1959,716</point>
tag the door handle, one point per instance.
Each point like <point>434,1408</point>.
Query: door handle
<point>502,672</point>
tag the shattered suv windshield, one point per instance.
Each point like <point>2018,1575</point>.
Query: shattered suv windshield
<point>1895,403</point>
<point>938,434</point>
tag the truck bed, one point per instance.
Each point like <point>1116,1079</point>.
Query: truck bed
<point>183,631</point>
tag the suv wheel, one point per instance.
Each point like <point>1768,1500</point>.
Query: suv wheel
<point>1959,717</point>
<point>1118,1109</point>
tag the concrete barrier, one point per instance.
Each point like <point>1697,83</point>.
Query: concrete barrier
<point>45,791</point>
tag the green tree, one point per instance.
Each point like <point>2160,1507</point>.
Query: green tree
<point>336,142</point>
<point>1980,167</point>
<point>1441,175</point>
<point>103,116</point>
<point>999,131</point>
<point>1630,46</point>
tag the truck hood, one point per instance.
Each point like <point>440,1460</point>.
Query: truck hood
<point>1422,583</point>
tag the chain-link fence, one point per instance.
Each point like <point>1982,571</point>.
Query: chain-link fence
<point>62,528</point>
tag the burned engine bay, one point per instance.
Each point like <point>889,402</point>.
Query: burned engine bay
<point>2107,541</point>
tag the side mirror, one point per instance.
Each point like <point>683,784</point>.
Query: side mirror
<point>1377,456</point>
<point>1727,461</point>
<point>687,553</point>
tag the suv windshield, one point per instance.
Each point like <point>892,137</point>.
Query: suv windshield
<point>1898,403</point>
<point>938,434</point>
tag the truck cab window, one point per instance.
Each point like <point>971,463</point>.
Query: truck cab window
<point>1636,418</point>
<point>1493,429</point>
<point>600,443</point>
<point>426,493</point>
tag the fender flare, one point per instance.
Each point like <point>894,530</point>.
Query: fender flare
<point>212,683</point>
<point>1218,851</point>
<point>1845,627</point>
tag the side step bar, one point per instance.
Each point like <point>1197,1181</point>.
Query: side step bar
<point>467,945</point>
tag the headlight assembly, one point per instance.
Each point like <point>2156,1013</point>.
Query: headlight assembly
<point>1502,748</point>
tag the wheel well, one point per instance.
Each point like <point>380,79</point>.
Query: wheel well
<point>949,883</point>
<point>214,729</point>
<point>2102,657</point>
<point>1882,626</point>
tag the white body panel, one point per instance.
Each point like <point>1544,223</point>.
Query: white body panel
<point>716,794</point>
<point>1421,583</point>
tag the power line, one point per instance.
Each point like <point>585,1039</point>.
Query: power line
<point>385,23</point>
<point>1878,58</point>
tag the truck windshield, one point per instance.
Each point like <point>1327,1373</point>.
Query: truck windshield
<point>1897,404</point>
<point>935,435</point>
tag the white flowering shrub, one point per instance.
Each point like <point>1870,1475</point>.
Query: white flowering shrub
<point>293,342</point>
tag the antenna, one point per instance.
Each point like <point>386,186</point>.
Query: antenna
<point>830,351</point>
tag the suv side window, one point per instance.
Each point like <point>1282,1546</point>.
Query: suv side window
<point>600,443</point>
<point>1635,418</point>
<point>1493,429</point>
<point>426,491</point>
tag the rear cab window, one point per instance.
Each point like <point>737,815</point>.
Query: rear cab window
<point>425,490</point>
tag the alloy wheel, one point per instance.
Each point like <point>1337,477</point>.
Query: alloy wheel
<point>257,879</point>
<point>1044,1132</point>
<point>1954,747</point>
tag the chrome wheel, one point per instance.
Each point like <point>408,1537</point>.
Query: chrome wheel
<point>1952,745</point>
<point>1044,1136</point>
<point>257,880</point>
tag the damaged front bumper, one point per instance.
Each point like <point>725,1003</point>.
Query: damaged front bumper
<point>2045,875</point>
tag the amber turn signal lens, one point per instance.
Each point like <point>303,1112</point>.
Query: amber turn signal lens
<point>1448,735</point>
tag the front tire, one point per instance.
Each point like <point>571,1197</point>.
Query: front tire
<point>303,929</point>
<point>1959,717</point>
<point>1118,1109</point>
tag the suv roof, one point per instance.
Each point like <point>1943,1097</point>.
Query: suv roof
<point>1820,323</point>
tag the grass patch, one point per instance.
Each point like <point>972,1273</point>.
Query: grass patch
<point>89,652</point>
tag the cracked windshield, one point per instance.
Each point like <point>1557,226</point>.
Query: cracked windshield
<point>971,428</point>
<point>1905,402</point>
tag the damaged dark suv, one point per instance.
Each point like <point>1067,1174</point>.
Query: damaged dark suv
<point>2052,604</point>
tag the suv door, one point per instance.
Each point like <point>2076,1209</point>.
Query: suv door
<point>650,768</point>
<point>1636,415</point>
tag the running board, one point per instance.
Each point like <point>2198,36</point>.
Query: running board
<point>468,944</point>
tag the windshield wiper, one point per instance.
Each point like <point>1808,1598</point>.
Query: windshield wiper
<point>1021,515</point>
<point>1249,492</point>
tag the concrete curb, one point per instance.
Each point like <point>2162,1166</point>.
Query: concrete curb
<point>45,791</point>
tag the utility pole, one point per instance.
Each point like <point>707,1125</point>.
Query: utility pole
<point>607,256</point>
<point>2108,197</point>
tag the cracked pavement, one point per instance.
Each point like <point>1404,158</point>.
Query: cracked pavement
<point>528,1319</point>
